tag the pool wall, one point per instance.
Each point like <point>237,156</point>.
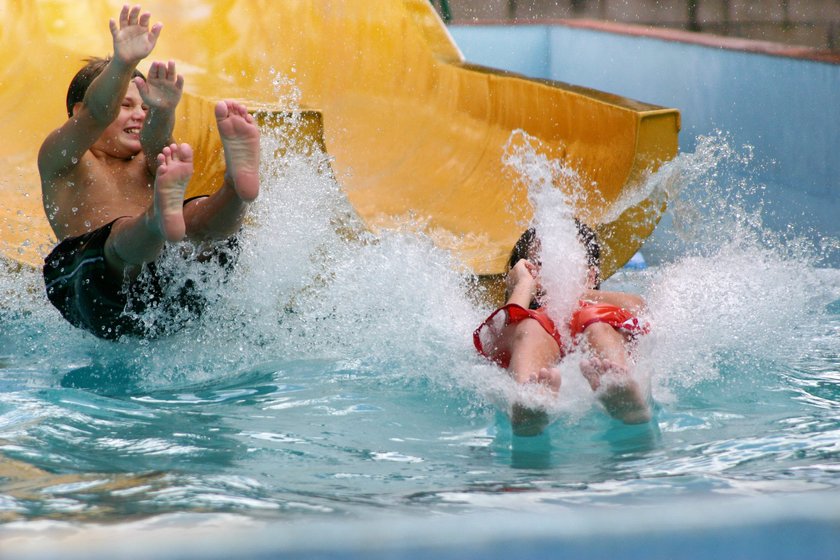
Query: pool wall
<point>782,101</point>
<point>781,527</point>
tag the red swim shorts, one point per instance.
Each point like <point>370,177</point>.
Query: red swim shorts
<point>486,336</point>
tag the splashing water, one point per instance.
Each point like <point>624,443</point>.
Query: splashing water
<point>734,290</point>
<point>562,255</point>
<point>730,292</point>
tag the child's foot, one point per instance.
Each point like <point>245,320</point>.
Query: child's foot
<point>550,377</point>
<point>617,390</point>
<point>241,140</point>
<point>175,167</point>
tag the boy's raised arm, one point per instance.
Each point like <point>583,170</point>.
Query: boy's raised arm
<point>161,92</point>
<point>133,41</point>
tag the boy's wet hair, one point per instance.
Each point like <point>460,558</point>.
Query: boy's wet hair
<point>586,235</point>
<point>84,77</point>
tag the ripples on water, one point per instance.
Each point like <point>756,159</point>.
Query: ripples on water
<point>335,374</point>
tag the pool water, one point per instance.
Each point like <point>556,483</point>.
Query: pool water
<point>333,380</point>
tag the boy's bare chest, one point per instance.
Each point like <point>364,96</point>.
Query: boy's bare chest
<point>96,194</point>
<point>126,181</point>
<point>123,185</point>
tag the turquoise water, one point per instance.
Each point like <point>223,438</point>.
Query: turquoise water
<point>333,382</point>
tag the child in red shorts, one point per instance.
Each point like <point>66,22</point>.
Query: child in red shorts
<point>521,337</point>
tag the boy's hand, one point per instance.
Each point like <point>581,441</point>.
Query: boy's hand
<point>133,40</point>
<point>162,88</point>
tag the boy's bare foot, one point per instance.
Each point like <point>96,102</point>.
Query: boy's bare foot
<point>617,390</point>
<point>241,140</point>
<point>175,167</point>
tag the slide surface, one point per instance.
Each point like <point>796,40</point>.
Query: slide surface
<point>417,135</point>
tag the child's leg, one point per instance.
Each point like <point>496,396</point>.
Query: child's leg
<point>533,355</point>
<point>609,367</point>
<point>139,239</point>
<point>220,215</point>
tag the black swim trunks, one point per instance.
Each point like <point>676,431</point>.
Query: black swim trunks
<point>91,297</point>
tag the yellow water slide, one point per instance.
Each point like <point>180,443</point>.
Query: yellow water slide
<point>416,134</point>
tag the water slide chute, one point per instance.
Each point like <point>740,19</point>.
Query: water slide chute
<point>417,135</point>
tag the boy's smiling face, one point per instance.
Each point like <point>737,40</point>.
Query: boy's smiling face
<point>122,137</point>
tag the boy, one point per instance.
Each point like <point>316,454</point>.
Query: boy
<point>113,181</point>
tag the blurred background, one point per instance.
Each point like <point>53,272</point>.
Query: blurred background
<point>810,23</point>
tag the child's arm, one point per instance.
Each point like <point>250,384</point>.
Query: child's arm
<point>161,92</point>
<point>522,283</point>
<point>64,147</point>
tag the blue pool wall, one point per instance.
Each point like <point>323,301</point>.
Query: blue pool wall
<point>786,108</point>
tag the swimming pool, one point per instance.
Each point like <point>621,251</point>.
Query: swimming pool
<point>330,404</point>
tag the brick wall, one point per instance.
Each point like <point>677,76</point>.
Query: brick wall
<point>810,23</point>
